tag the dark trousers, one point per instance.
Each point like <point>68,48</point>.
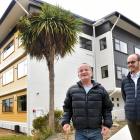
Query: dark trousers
<point>134,130</point>
<point>88,134</point>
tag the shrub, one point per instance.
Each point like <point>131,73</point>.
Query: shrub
<point>57,115</point>
<point>40,123</point>
<point>41,130</point>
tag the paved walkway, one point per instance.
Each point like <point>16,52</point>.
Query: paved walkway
<point>122,134</point>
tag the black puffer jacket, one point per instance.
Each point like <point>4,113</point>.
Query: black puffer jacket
<point>88,111</point>
<point>132,99</point>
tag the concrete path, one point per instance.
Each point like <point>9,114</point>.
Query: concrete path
<point>122,134</point>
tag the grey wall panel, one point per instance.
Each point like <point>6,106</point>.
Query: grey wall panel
<point>120,59</point>
<point>103,28</point>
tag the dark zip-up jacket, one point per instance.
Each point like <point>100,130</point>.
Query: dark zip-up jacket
<point>131,98</point>
<point>88,110</point>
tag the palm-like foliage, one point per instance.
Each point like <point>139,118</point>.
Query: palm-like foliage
<point>50,33</point>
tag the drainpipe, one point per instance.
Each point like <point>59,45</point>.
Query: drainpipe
<point>94,48</point>
<point>22,7</point>
<point>94,57</point>
<point>115,23</point>
<point>113,51</point>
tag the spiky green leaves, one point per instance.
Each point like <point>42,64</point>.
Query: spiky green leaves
<point>53,28</point>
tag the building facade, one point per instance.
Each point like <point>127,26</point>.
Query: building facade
<point>24,85</point>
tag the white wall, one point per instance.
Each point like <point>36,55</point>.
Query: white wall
<point>65,76</point>
<point>103,58</point>
<point>118,112</point>
<point>11,125</point>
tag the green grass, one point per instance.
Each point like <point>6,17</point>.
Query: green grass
<point>15,137</point>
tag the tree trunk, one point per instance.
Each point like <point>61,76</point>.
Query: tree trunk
<point>51,93</point>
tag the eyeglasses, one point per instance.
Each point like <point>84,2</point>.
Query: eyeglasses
<point>131,62</point>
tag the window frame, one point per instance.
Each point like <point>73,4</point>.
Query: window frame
<point>19,101</point>
<point>24,67</point>
<point>103,43</point>
<point>118,43</point>
<point>7,49</point>
<point>5,74</point>
<point>10,108</point>
<point>84,43</point>
<point>102,70</point>
<point>121,72</point>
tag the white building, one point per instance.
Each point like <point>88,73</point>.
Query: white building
<point>104,44</point>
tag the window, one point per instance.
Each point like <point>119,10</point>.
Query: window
<point>137,51</point>
<point>103,44</point>
<point>22,103</point>
<point>120,46</point>
<point>8,50</point>
<point>104,71</point>
<point>118,105</point>
<point>8,76</point>
<point>7,105</point>
<point>112,99</point>
<point>22,69</point>
<point>121,72</point>
<point>85,44</point>
<point>117,99</point>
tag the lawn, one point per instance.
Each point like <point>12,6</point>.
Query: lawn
<point>15,137</point>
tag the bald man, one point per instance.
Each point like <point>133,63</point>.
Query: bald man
<point>131,95</point>
<point>88,105</point>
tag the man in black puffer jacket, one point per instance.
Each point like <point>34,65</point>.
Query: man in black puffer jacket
<point>88,105</point>
<point>131,95</point>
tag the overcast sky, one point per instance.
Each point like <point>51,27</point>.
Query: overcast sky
<point>94,9</point>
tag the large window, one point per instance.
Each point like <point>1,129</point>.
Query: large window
<point>22,103</point>
<point>104,71</point>
<point>8,50</point>
<point>121,72</point>
<point>7,105</point>
<point>120,46</point>
<point>22,69</point>
<point>103,44</point>
<point>85,43</point>
<point>8,76</point>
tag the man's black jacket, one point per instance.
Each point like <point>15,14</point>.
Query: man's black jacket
<point>88,110</point>
<point>131,98</point>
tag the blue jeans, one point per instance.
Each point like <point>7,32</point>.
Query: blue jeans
<point>88,134</point>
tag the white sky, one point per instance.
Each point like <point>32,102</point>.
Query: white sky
<point>94,9</point>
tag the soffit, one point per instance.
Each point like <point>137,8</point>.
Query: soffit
<point>12,18</point>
